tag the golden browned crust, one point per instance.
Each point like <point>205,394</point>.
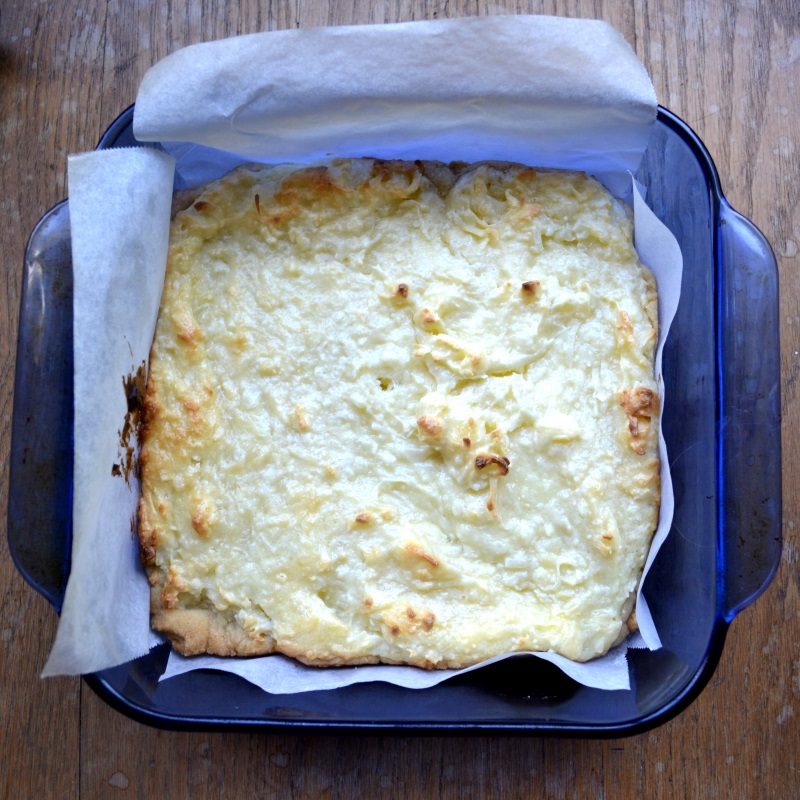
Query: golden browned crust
<point>641,406</point>
<point>148,534</point>
<point>183,198</point>
<point>200,630</point>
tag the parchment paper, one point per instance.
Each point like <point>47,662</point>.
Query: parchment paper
<point>119,213</point>
<point>544,91</point>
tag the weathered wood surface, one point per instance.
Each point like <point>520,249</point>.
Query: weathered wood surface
<point>732,71</point>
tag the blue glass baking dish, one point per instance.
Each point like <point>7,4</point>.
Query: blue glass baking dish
<point>721,423</point>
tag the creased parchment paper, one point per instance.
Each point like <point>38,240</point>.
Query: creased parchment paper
<point>544,88</point>
<point>540,90</point>
<point>119,214</point>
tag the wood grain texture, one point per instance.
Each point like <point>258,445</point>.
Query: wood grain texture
<point>732,71</point>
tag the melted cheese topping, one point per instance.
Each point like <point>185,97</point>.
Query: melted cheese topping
<point>402,413</point>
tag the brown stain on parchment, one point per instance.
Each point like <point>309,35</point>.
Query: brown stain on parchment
<point>134,385</point>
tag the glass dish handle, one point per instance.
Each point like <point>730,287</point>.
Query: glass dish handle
<point>749,403</point>
<point>40,480</point>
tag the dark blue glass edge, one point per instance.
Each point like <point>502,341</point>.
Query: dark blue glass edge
<point>59,543</point>
<point>739,591</point>
<point>727,609</point>
<point>116,128</point>
<point>572,730</point>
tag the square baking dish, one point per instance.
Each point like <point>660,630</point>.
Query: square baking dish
<point>721,422</point>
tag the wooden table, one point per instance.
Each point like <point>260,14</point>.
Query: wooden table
<point>732,71</point>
